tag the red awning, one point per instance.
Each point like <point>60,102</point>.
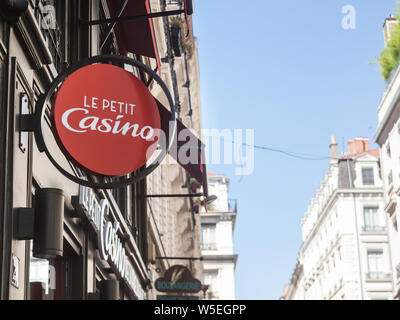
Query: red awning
<point>192,146</point>
<point>136,36</point>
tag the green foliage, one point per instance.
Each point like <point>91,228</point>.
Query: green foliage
<point>389,58</point>
<point>387,63</point>
<point>187,46</point>
<point>176,22</point>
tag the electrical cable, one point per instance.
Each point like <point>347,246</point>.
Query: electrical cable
<point>297,155</point>
<point>302,156</point>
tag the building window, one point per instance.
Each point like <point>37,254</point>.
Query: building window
<point>210,278</point>
<point>372,219</point>
<point>208,241</point>
<point>368,176</point>
<point>388,151</point>
<point>398,272</point>
<point>56,278</point>
<point>394,221</point>
<point>375,264</point>
<point>390,178</point>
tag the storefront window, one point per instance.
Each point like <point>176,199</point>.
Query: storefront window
<point>39,277</point>
<point>56,279</point>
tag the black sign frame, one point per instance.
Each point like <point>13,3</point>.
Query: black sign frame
<point>45,99</point>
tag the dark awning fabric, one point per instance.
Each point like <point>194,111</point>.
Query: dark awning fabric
<point>197,169</point>
<point>136,36</point>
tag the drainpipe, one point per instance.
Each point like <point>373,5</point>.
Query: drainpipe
<point>357,230</point>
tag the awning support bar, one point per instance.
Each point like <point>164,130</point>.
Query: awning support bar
<point>130,18</point>
<point>112,25</point>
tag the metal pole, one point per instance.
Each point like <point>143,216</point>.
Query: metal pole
<point>189,195</point>
<point>181,258</point>
<point>130,18</point>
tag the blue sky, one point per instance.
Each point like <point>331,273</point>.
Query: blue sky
<point>288,70</point>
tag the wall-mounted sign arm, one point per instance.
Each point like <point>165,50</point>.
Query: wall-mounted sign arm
<point>25,221</point>
<point>27,123</point>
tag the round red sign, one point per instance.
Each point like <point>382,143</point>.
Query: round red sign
<point>106,119</point>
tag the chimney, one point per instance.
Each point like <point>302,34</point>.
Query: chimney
<point>388,28</point>
<point>334,149</point>
<point>358,145</point>
<point>351,147</point>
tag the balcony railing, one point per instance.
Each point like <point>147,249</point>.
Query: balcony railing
<point>208,246</point>
<point>232,205</point>
<point>398,271</point>
<point>379,276</point>
<point>174,2</point>
<point>374,228</point>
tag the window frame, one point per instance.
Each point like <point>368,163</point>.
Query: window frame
<point>368,179</point>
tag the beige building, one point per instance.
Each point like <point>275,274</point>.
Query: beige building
<point>174,226</point>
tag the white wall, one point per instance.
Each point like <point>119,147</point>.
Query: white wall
<point>221,259</point>
<point>334,251</point>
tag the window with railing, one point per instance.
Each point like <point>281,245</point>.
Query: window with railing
<point>372,221</point>
<point>208,238</point>
<point>174,2</point>
<point>369,228</point>
<point>209,246</point>
<point>376,267</point>
<point>210,278</point>
<point>378,275</point>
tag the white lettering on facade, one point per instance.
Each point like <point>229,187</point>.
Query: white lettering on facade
<point>110,246</point>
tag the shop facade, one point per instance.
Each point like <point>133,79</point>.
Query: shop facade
<point>59,239</point>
